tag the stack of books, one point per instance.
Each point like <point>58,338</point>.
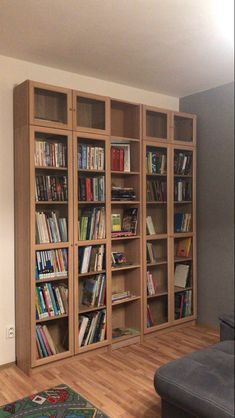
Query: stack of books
<point>45,344</point>
<point>183,163</point>
<point>91,189</point>
<point>122,332</point>
<point>49,228</point>
<point>182,222</point>
<point>51,188</point>
<point>90,157</point>
<point>92,328</point>
<point>120,157</point>
<point>182,190</point>
<point>119,259</point>
<point>51,263</point>
<point>93,291</point>
<point>122,193</point>
<point>124,226</point>
<point>151,285</point>
<point>91,258</point>
<point>50,154</point>
<point>156,162</point>
<point>183,304</point>
<point>120,295</point>
<point>51,300</point>
<point>91,224</point>
<point>156,191</point>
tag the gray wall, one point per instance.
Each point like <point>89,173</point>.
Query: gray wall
<point>215,199</point>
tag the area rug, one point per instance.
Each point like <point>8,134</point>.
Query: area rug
<point>58,402</point>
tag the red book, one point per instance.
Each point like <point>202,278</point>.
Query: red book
<point>45,341</point>
<point>88,189</point>
<point>117,159</point>
<point>113,158</point>
<point>121,162</point>
<point>46,301</point>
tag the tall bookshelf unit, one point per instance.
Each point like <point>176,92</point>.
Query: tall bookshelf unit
<point>89,170</point>
<point>169,218</point>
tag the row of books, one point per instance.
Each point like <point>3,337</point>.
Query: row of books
<point>156,190</point>
<point>182,222</point>
<point>91,224</point>
<point>51,263</point>
<point>91,258</point>
<point>183,304</point>
<point>182,190</point>
<point>156,162</point>
<point>126,224</point>
<point>91,189</point>
<point>44,342</point>
<point>120,157</point>
<point>91,157</point>
<point>49,228</point>
<point>92,328</point>
<point>120,295</point>
<point>50,154</point>
<point>51,300</point>
<point>93,291</point>
<point>151,285</point>
<point>183,163</point>
<point>51,188</point>
<point>122,193</point>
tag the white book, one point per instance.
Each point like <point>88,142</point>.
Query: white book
<point>82,329</point>
<point>180,191</point>
<point>181,275</point>
<point>150,226</point>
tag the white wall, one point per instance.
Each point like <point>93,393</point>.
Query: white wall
<point>13,72</point>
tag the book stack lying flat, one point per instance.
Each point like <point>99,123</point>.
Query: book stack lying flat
<point>90,157</point>
<point>121,295</point>
<point>150,322</point>
<point>183,304</point>
<point>50,154</point>
<point>122,332</point>
<point>51,300</point>
<point>91,258</point>
<point>120,157</point>
<point>122,193</point>
<point>93,291</point>
<point>119,259</point>
<point>182,190</point>
<point>182,222</point>
<point>91,224</point>
<point>51,263</point>
<point>49,228</point>
<point>156,162</point>
<point>92,328</point>
<point>127,226</point>
<point>91,189</point>
<point>182,163</point>
<point>151,285</point>
<point>51,188</point>
<point>45,344</point>
<point>156,191</point>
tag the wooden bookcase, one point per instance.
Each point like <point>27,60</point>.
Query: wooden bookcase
<point>81,158</point>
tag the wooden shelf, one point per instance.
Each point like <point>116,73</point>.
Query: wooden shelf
<point>91,202</point>
<point>156,175</point>
<point>178,289</point>
<point>130,267</point>
<point>51,279</point>
<point>156,237</point>
<point>183,202</point>
<point>182,259</point>
<point>125,202</point>
<point>123,139</point>
<point>125,238</point>
<point>91,273</point>
<point>183,175</point>
<point>51,318</point>
<point>156,202</point>
<point>157,295</point>
<point>157,263</point>
<point>125,173</point>
<point>87,309</point>
<point>51,168</point>
<point>52,245</point>
<point>125,300</point>
<point>52,202</point>
<point>83,170</point>
<point>91,242</point>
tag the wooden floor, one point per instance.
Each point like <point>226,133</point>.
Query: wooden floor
<point>120,383</point>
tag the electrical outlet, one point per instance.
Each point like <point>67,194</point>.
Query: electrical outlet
<point>10,331</point>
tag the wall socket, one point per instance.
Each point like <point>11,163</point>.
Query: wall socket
<point>10,331</point>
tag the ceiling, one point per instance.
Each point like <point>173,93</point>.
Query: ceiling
<point>174,47</point>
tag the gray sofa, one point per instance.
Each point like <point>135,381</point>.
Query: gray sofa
<point>199,385</point>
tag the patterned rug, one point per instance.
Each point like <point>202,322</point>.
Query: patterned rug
<point>59,402</point>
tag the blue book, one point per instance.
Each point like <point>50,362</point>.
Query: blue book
<point>84,157</point>
<point>53,299</point>
<point>178,219</point>
<point>42,345</point>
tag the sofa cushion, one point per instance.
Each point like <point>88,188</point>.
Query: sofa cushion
<point>201,383</point>
<point>228,319</point>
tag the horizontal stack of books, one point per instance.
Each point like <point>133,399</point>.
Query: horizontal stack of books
<point>91,224</point>
<point>91,189</point>
<point>51,188</point>
<point>182,163</point>
<point>126,225</point>
<point>182,190</point>
<point>120,295</point>
<point>45,344</point>
<point>49,228</point>
<point>90,157</point>
<point>156,162</point>
<point>183,304</point>
<point>51,263</point>
<point>182,222</point>
<point>151,285</point>
<point>150,321</point>
<point>51,300</point>
<point>122,193</point>
<point>120,157</point>
<point>156,190</point>
<point>122,332</point>
<point>91,258</point>
<point>94,291</point>
<point>119,259</point>
<point>50,154</point>
<point>92,328</point>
